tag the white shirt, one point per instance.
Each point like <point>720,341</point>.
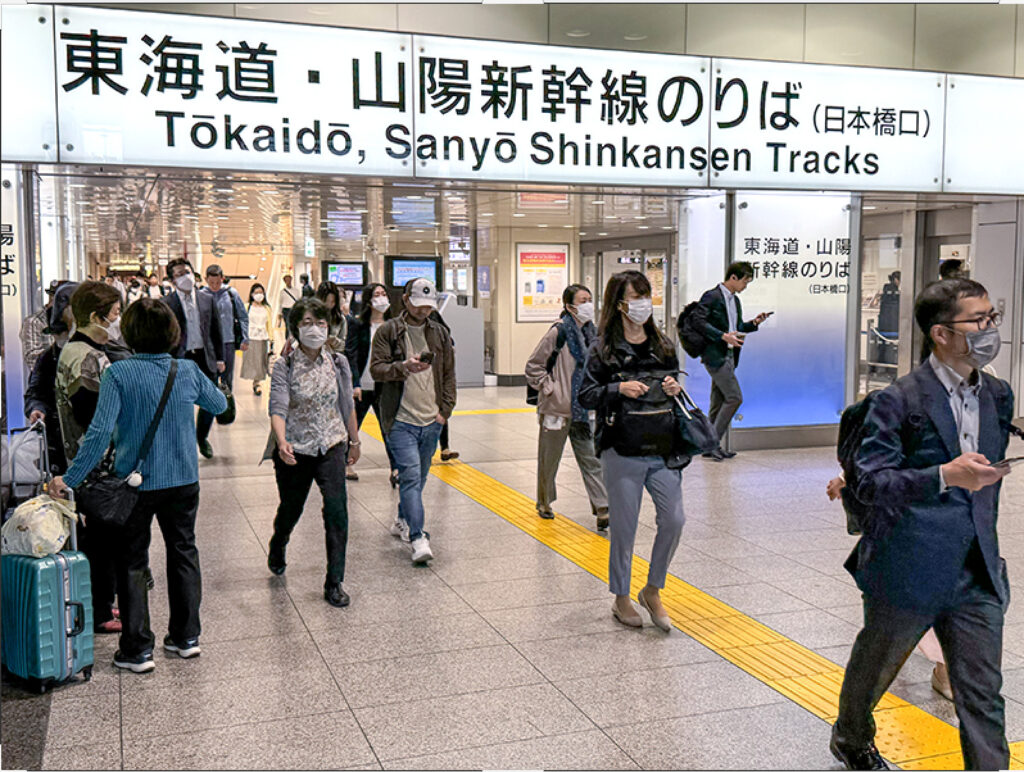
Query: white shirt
<point>287,298</point>
<point>730,306</point>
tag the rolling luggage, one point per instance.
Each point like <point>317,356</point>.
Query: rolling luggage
<point>47,625</point>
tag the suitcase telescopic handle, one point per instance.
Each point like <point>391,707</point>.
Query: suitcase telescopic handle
<point>74,526</point>
<point>78,625</point>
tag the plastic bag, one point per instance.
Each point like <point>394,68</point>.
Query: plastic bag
<point>38,528</point>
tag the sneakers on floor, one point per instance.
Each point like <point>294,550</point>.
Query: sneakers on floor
<point>400,528</point>
<point>185,649</point>
<point>421,550</point>
<point>141,663</point>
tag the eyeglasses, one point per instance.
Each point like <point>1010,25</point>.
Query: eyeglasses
<point>984,322</point>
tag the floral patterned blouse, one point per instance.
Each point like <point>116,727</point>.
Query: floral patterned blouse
<point>314,424</point>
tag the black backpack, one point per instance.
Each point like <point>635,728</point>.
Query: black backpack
<point>691,328</point>
<point>531,393</point>
<point>851,434</point>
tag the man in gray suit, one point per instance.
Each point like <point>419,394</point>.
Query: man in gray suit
<point>928,472</point>
<point>201,338</point>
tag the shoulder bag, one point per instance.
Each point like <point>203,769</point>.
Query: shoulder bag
<point>696,431</point>
<point>106,498</point>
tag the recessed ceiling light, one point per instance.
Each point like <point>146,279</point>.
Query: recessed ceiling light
<point>870,207</point>
<point>597,202</point>
<point>643,227</point>
<point>566,226</point>
<point>666,227</point>
<point>602,234</point>
<point>582,233</point>
<point>518,214</point>
<point>418,241</point>
<point>639,217</point>
<point>577,33</point>
<point>486,214</point>
<point>634,36</point>
<point>542,225</point>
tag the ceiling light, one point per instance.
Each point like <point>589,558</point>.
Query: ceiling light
<point>543,225</point>
<point>634,36</point>
<point>518,214</point>
<point>602,234</point>
<point>577,33</point>
<point>639,217</point>
<point>666,227</point>
<point>643,227</point>
<point>418,241</point>
<point>566,226</point>
<point>597,202</point>
<point>582,233</point>
<point>870,207</point>
<point>486,214</point>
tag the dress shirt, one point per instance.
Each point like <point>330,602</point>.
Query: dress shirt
<point>730,306</point>
<point>193,330</point>
<point>964,401</point>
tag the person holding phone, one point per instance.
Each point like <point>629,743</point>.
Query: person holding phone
<point>412,362</point>
<point>929,469</point>
<point>726,333</point>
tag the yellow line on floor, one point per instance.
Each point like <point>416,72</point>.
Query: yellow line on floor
<point>906,734</point>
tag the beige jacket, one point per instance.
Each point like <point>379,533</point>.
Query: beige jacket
<point>554,389</point>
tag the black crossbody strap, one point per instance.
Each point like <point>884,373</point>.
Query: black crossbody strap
<point>147,442</point>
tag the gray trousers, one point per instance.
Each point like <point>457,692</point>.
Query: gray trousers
<point>726,395</point>
<point>626,477</point>
<point>971,635</point>
<point>551,443</point>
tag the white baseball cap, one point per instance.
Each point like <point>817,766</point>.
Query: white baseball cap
<point>422,292</point>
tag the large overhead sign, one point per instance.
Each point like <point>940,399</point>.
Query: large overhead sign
<point>176,90</point>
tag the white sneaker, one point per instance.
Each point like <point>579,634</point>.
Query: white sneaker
<point>421,550</point>
<point>400,528</point>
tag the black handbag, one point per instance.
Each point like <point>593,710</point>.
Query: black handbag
<point>646,425</point>
<point>695,429</point>
<point>228,416</point>
<point>106,498</point>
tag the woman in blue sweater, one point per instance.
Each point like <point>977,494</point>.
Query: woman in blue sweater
<point>129,394</point>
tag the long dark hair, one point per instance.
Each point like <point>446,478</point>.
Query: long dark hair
<point>325,290</point>
<point>252,290</point>
<point>611,329</point>
<point>367,312</point>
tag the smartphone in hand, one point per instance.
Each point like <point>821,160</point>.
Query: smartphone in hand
<point>1008,462</point>
<point>427,357</point>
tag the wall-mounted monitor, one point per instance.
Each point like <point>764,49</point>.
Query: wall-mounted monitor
<point>401,270</point>
<point>409,210</point>
<point>345,274</point>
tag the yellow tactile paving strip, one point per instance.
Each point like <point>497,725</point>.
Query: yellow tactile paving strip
<point>906,735</point>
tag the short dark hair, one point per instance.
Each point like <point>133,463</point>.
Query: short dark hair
<point>93,297</point>
<point>150,327</point>
<point>172,264</point>
<point>939,303</point>
<point>741,270</point>
<point>569,293</point>
<point>951,269</point>
<point>214,270</point>
<point>313,306</point>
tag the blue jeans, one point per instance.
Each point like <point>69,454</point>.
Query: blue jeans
<point>412,448</point>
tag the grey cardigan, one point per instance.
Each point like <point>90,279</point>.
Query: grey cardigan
<point>281,392</point>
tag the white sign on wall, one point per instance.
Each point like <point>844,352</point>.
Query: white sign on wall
<point>542,274</point>
<point>176,90</point>
<point>509,111</point>
<point>792,370</point>
<point>12,289</point>
<point>782,125</point>
<point>26,82</point>
<point>984,130</point>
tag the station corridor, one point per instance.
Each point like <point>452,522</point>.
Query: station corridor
<point>503,653</point>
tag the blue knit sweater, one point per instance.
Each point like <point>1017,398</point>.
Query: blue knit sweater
<point>129,394</point>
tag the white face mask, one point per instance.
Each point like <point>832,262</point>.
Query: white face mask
<point>585,311</point>
<point>640,310</point>
<point>380,303</point>
<point>185,282</point>
<point>114,329</point>
<point>258,297</point>
<point>312,337</point>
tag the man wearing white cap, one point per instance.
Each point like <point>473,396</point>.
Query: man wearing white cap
<point>413,364</point>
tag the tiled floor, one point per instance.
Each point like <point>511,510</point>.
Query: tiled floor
<point>501,654</point>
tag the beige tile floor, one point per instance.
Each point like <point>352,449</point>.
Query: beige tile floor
<point>501,654</point>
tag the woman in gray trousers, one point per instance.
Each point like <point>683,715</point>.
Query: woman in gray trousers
<point>630,379</point>
<point>555,370</point>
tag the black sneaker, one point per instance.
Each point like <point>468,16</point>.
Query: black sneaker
<point>185,649</point>
<point>141,663</point>
<point>205,449</point>
<point>275,561</point>
<point>546,514</point>
<point>867,757</point>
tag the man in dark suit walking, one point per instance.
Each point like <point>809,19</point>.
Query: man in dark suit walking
<point>201,338</point>
<point>928,470</point>
<point>725,330</point>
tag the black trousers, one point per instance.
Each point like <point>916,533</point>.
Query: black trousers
<point>971,634</point>
<point>96,541</point>
<point>204,421</point>
<point>175,510</point>
<point>293,484</point>
<point>372,399</point>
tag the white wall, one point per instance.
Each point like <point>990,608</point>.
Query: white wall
<point>957,37</point>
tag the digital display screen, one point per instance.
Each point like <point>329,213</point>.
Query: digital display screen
<point>344,226</point>
<point>412,211</point>
<point>404,271</point>
<point>346,274</point>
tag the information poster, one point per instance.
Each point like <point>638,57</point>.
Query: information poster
<point>542,274</point>
<point>792,370</point>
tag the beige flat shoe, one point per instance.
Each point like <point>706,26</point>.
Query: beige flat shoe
<point>941,684</point>
<point>662,623</point>
<point>633,620</point>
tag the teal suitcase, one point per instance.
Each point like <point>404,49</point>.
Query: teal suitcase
<point>47,633</point>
